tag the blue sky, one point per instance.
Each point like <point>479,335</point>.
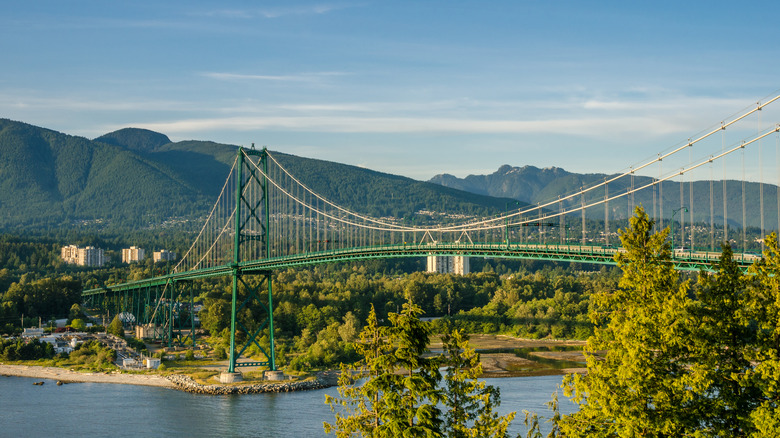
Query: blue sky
<point>412,88</point>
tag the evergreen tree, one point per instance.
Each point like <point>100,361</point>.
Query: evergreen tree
<point>469,401</point>
<point>395,390</point>
<point>723,336</point>
<point>411,396</point>
<point>764,310</point>
<point>400,394</point>
<point>116,327</point>
<point>360,406</point>
<point>638,386</point>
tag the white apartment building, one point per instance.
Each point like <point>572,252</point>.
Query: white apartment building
<point>88,256</point>
<point>70,254</point>
<point>448,264</point>
<point>164,255</point>
<point>91,256</point>
<point>132,254</point>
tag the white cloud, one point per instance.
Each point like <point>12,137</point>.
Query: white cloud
<point>304,77</point>
<point>316,9</point>
<point>594,127</point>
<point>29,102</point>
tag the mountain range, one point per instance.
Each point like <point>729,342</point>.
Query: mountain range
<point>136,179</point>
<point>533,185</point>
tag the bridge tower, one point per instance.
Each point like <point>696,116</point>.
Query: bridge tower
<point>251,226</point>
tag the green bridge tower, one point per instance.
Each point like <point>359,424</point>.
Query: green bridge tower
<point>250,214</point>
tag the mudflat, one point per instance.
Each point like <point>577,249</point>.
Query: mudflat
<point>505,364</point>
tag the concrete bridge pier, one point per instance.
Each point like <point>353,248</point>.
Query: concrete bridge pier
<point>227,377</point>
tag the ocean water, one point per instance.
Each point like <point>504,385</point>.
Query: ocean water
<point>99,409</point>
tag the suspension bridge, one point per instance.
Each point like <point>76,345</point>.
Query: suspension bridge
<point>266,219</point>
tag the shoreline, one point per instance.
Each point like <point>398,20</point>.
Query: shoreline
<point>67,376</point>
<point>178,382</point>
<point>495,365</point>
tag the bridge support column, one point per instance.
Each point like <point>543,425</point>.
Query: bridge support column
<point>230,377</point>
<point>232,358</point>
<point>251,329</point>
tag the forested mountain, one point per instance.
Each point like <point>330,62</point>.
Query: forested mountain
<point>49,179</point>
<point>533,185</point>
<point>135,178</point>
<point>135,139</point>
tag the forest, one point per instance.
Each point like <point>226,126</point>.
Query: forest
<point>668,354</point>
<point>322,308</point>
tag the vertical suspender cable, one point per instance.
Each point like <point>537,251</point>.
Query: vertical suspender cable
<point>682,212</point>
<point>655,202</point>
<point>540,228</point>
<point>690,201</point>
<point>294,215</point>
<point>660,193</point>
<point>582,192</point>
<point>606,212</point>
<point>744,213</point>
<point>633,200</point>
<point>761,182</point>
<point>777,188</point>
<point>319,225</point>
<point>562,226</point>
<point>299,217</point>
<point>712,208</point>
<point>725,200</point>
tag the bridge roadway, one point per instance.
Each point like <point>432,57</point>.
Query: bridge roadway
<point>683,260</point>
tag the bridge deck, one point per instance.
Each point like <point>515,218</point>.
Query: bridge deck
<point>691,260</point>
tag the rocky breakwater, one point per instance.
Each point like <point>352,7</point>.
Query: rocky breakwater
<point>186,383</point>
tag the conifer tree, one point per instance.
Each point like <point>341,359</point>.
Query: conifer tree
<point>764,310</point>
<point>469,401</point>
<point>360,405</point>
<point>636,383</point>
<point>116,327</point>
<point>723,335</point>
<point>395,389</point>
<point>399,391</point>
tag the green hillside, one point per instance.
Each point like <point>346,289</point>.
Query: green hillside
<point>135,139</point>
<point>381,194</point>
<point>136,179</point>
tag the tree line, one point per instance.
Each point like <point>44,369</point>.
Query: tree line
<point>669,356</point>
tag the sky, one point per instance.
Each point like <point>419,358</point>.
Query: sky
<point>415,88</point>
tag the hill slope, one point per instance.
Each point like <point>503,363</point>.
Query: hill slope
<point>134,178</point>
<point>135,139</point>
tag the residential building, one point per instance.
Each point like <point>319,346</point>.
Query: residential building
<point>70,254</point>
<point>132,254</point>
<point>89,256</point>
<point>164,255</point>
<point>448,264</point>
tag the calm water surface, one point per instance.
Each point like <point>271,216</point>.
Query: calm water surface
<point>98,409</point>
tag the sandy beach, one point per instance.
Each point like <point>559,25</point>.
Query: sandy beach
<point>67,376</point>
